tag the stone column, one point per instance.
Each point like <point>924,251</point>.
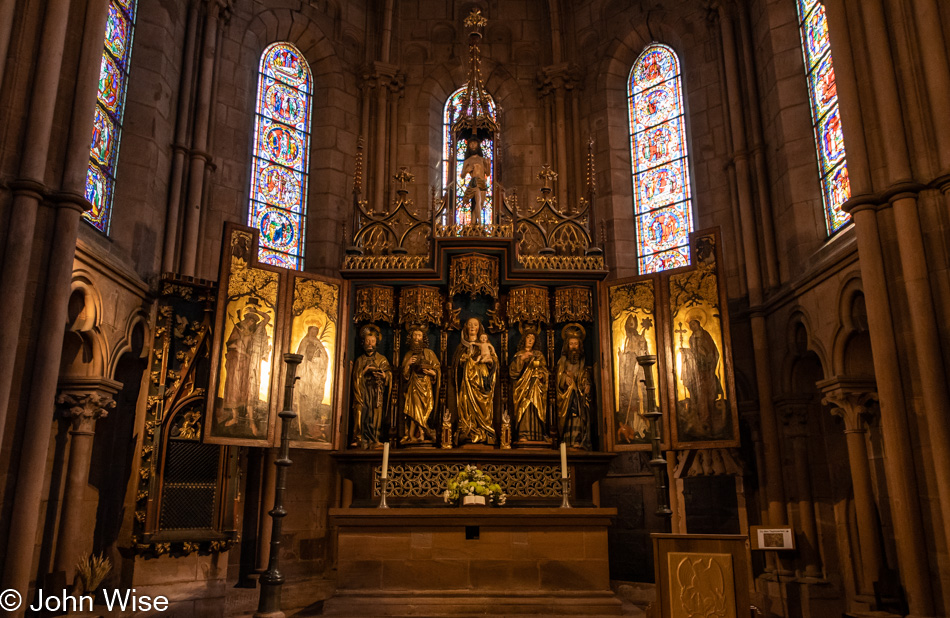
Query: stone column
<point>849,399</point>
<point>898,460</point>
<point>578,153</point>
<point>81,402</point>
<point>382,77</point>
<point>28,190</point>
<point>794,414</point>
<point>396,87</point>
<point>763,373</point>
<point>179,147</point>
<point>6,29</point>
<point>913,260</point>
<point>199,143</point>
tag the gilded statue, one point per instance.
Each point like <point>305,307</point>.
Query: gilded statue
<point>421,376</point>
<point>573,389</point>
<point>475,167</point>
<point>372,381</point>
<point>474,374</point>
<point>529,381</point>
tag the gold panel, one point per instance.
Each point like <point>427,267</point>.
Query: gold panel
<point>474,274</point>
<point>242,396</point>
<point>703,410</point>
<point>632,334</point>
<point>374,303</point>
<point>527,304</point>
<point>563,262</point>
<point>573,304</point>
<point>313,335</point>
<point>701,585</point>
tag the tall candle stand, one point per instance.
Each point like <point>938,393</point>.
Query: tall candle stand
<point>657,462</point>
<point>272,579</point>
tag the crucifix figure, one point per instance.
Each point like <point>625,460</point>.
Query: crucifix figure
<point>475,167</point>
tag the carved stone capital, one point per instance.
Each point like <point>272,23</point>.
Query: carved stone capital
<point>83,401</point>
<point>850,399</point>
<point>557,77</point>
<point>794,414</point>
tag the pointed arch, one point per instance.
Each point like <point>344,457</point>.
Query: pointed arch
<point>109,112</point>
<point>823,95</point>
<point>463,210</point>
<point>280,156</point>
<point>661,187</point>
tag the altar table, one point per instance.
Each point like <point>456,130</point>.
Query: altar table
<point>472,560</point>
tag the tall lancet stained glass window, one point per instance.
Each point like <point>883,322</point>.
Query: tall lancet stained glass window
<point>823,93</point>
<point>110,106</point>
<point>452,173</point>
<point>660,168</point>
<point>278,205</point>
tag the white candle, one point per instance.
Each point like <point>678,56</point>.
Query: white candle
<point>385,460</point>
<point>563,460</point>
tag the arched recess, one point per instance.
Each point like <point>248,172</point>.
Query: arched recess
<point>333,128</point>
<point>113,450</point>
<point>607,88</point>
<point>85,353</point>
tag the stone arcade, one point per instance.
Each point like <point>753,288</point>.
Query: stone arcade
<point>702,246</point>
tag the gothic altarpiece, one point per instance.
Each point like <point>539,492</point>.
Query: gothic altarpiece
<point>489,338</point>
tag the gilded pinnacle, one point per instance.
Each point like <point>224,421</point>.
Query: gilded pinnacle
<point>475,19</point>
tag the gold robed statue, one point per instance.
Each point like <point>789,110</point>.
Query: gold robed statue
<point>421,376</point>
<point>529,380</point>
<point>573,389</point>
<point>474,371</point>
<point>372,381</point>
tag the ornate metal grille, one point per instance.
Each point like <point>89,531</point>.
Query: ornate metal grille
<point>190,479</point>
<point>430,480</point>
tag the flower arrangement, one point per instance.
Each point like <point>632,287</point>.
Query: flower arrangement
<point>473,482</point>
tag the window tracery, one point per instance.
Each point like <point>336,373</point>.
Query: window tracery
<point>661,185</point>
<point>280,157</point>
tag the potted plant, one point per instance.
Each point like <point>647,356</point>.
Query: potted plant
<point>472,487</point>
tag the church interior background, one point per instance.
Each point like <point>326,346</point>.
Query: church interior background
<point>702,247</point>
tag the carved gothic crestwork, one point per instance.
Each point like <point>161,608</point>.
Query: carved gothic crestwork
<point>573,304</point>
<point>393,238</point>
<point>473,274</point>
<point>420,304</point>
<point>528,304</point>
<point>374,303</point>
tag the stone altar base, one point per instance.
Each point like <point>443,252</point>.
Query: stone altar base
<point>474,560</point>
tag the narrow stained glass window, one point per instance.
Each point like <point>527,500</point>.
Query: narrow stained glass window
<point>823,93</point>
<point>278,205</point>
<point>660,169</point>
<point>110,105</point>
<point>463,212</point>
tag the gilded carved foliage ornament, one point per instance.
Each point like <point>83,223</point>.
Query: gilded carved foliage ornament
<point>374,303</point>
<point>474,274</point>
<point>527,304</point>
<point>420,305</point>
<point>573,304</point>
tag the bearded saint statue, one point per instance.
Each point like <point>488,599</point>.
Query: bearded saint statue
<point>474,376</point>
<point>421,376</point>
<point>573,389</point>
<point>372,381</point>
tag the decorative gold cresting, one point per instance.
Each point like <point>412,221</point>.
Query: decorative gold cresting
<point>474,117</point>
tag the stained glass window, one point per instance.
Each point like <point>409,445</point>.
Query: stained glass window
<point>280,157</point>
<point>661,187</point>
<point>823,93</point>
<point>110,104</point>
<point>463,207</point>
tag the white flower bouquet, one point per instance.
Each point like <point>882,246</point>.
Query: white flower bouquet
<point>470,483</point>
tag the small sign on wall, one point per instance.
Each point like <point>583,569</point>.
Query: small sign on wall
<point>772,538</point>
